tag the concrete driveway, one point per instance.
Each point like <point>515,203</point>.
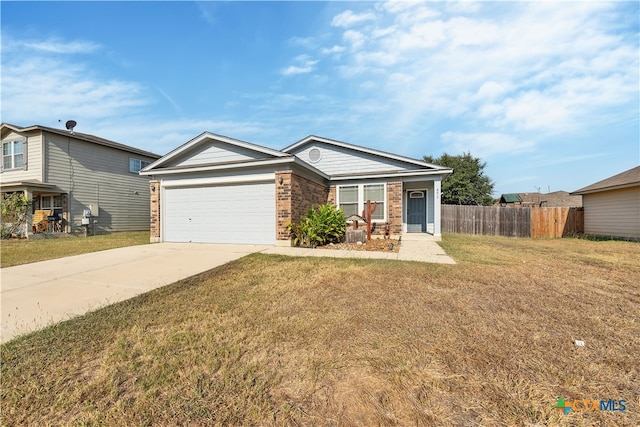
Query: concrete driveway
<point>39,294</point>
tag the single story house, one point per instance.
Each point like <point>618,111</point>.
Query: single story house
<point>612,206</point>
<point>222,190</point>
<point>69,175</point>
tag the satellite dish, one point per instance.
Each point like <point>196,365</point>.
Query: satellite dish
<point>70,125</point>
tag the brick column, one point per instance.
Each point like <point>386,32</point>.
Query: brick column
<point>154,220</point>
<point>283,205</point>
<point>394,210</point>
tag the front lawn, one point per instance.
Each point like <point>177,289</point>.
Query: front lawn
<point>274,340</point>
<point>25,251</point>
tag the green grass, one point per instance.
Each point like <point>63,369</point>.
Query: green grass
<point>271,340</point>
<point>25,251</point>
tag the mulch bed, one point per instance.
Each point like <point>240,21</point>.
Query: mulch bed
<point>375,244</point>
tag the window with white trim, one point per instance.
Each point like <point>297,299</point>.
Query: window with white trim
<point>52,202</point>
<point>136,164</point>
<point>13,155</point>
<point>352,199</point>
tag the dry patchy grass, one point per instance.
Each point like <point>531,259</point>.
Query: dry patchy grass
<point>25,251</point>
<point>271,340</point>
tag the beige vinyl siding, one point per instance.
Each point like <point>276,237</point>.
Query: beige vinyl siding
<point>217,152</point>
<point>337,160</point>
<point>33,158</point>
<point>94,175</point>
<point>613,213</point>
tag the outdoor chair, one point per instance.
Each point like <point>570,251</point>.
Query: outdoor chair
<point>40,221</point>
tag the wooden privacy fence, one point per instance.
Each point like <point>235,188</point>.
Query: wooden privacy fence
<point>512,222</point>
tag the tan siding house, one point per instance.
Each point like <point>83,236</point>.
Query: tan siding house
<point>612,206</point>
<point>66,173</point>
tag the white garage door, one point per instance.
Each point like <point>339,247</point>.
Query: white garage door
<point>241,213</point>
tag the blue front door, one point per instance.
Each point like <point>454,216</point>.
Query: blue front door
<point>417,212</point>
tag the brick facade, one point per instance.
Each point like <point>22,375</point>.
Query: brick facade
<point>294,197</point>
<point>154,192</point>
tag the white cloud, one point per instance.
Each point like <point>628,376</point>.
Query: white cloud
<point>485,145</point>
<point>307,42</point>
<point>335,49</point>
<point>39,89</point>
<point>57,46</point>
<point>348,18</point>
<point>355,38</point>
<point>547,68</point>
<point>48,46</point>
<point>303,65</point>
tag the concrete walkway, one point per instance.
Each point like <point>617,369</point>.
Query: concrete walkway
<point>42,293</point>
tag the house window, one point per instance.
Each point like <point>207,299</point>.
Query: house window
<point>375,193</point>
<point>352,199</point>
<point>348,199</point>
<point>136,164</point>
<point>13,155</point>
<point>53,202</point>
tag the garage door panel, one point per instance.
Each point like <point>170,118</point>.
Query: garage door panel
<point>243,213</point>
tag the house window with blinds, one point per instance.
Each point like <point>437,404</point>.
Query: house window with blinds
<point>348,199</point>
<point>352,199</point>
<point>375,193</point>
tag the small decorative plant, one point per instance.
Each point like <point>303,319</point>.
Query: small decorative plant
<point>323,225</point>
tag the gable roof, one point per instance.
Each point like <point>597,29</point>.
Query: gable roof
<point>313,138</point>
<point>83,137</point>
<point>181,159</point>
<point>510,198</point>
<point>203,138</point>
<point>629,178</point>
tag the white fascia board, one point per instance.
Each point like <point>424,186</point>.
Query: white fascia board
<point>361,149</point>
<point>218,180</point>
<point>403,174</point>
<point>252,164</point>
<point>212,136</point>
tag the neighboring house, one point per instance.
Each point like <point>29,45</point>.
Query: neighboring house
<point>555,199</point>
<point>66,173</point>
<point>222,190</point>
<point>612,206</point>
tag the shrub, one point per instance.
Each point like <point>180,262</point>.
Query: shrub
<point>326,224</point>
<point>15,207</point>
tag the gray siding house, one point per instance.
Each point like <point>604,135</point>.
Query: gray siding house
<point>66,173</point>
<point>216,189</point>
<point>612,206</point>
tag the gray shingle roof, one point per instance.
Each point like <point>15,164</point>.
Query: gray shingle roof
<point>629,178</point>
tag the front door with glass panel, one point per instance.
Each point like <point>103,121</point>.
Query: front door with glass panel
<point>417,212</point>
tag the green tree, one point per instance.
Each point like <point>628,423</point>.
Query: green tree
<point>14,208</point>
<point>467,185</point>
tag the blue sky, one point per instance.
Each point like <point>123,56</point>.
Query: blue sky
<point>546,93</point>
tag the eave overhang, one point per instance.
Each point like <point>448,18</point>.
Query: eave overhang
<point>281,161</point>
<point>391,174</point>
